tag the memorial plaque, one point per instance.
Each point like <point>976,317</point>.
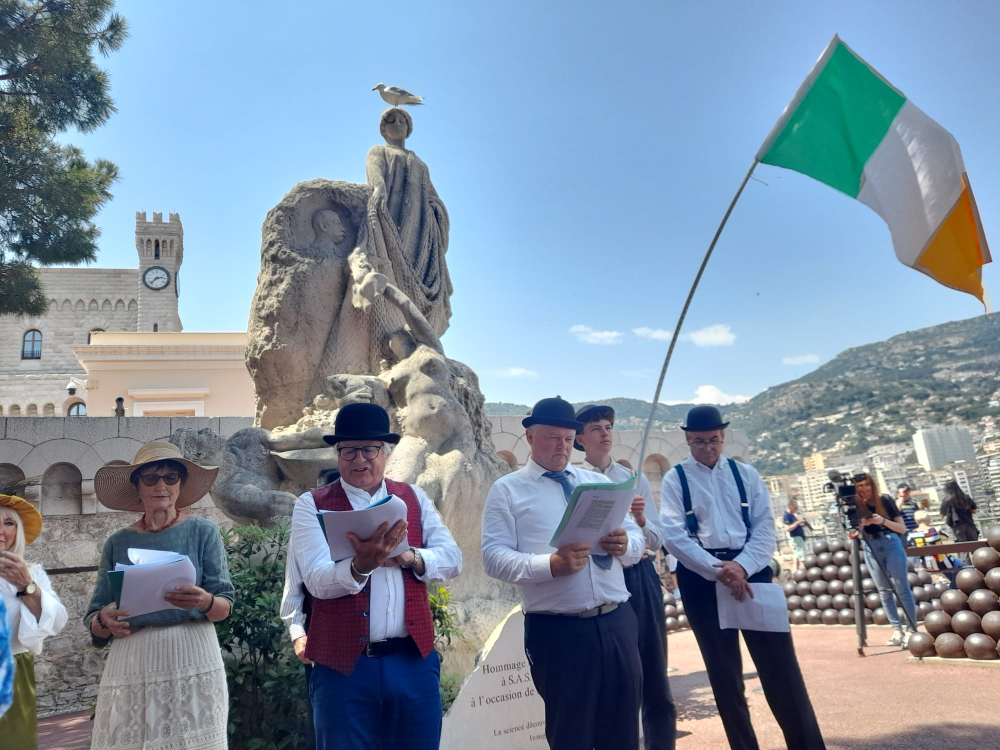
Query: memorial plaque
<point>497,706</point>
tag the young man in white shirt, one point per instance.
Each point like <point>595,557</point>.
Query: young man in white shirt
<point>581,642</point>
<point>659,715</point>
<point>375,673</point>
<point>716,517</point>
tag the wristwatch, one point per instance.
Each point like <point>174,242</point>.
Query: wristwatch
<point>417,557</point>
<point>30,589</point>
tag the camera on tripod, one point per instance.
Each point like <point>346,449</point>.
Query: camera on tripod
<point>846,496</point>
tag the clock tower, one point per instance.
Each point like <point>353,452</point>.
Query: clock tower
<point>161,251</point>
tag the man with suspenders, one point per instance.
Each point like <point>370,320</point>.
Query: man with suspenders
<point>716,519</point>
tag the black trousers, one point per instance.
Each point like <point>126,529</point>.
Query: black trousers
<point>588,673</point>
<point>659,714</point>
<point>773,655</point>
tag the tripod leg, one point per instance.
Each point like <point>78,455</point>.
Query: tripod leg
<point>859,597</point>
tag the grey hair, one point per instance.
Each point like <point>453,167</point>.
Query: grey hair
<point>387,449</point>
<point>530,430</point>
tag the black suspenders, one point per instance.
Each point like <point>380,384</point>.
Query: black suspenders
<point>689,517</point>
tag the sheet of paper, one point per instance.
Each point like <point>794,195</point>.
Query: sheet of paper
<point>767,611</point>
<point>364,523</point>
<point>594,511</point>
<point>139,589</point>
<point>152,556</point>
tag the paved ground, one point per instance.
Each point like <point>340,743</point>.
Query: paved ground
<point>65,732</point>
<point>886,701</point>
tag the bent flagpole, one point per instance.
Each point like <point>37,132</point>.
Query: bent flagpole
<point>680,321</point>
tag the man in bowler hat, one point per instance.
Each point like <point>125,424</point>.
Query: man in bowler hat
<point>659,715</point>
<point>717,520</point>
<point>374,680</point>
<point>581,642</point>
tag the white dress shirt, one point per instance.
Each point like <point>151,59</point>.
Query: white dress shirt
<point>293,597</point>
<point>618,473</point>
<point>26,631</point>
<point>715,500</point>
<point>326,579</point>
<point>521,513</point>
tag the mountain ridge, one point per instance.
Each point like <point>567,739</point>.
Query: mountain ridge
<point>867,395</point>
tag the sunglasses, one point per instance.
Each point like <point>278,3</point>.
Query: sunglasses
<point>151,480</point>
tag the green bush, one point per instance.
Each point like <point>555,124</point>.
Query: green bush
<point>268,698</point>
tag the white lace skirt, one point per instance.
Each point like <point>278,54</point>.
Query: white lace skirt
<point>163,688</point>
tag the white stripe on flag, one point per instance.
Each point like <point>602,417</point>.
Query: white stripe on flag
<point>913,180</point>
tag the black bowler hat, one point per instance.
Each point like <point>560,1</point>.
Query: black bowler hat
<point>555,412</point>
<point>704,418</point>
<point>587,414</point>
<point>362,422</point>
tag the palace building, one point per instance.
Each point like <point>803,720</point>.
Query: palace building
<point>104,323</point>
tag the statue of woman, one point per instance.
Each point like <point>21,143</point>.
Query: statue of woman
<point>408,221</point>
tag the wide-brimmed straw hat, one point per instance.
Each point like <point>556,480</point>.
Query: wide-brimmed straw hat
<point>31,519</point>
<point>115,491</point>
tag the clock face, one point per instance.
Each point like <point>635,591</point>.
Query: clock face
<point>156,277</point>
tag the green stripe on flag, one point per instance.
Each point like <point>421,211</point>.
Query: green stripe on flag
<point>838,123</point>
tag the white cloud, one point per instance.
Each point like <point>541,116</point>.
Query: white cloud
<point>717,335</point>
<point>709,394</point>
<point>800,359</point>
<point>636,373</point>
<point>517,372</point>
<point>588,335</point>
<point>657,334</point>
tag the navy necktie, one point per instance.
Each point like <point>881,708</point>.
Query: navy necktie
<point>562,477</point>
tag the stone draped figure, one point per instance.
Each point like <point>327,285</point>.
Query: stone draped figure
<point>327,251</point>
<point>408,221</point>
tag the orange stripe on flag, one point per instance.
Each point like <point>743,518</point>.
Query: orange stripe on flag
<point>957,252</point>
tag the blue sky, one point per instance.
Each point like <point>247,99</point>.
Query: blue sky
<point>586,153</point>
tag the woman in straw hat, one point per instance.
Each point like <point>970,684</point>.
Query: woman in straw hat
<point>164,677</point>
<point>34,612</point>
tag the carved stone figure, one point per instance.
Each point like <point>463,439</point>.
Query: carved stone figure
<point>409,221</point>
<point>251,486</point>
<point>314,292</point>
<point>352,298</point>
<point>327,249</point>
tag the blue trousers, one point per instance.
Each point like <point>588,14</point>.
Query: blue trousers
<point>890,551</point>
<point>588,673</point>
<point>386,703</point>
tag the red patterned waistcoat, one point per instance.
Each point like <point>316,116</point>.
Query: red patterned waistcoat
<point>339,628</point>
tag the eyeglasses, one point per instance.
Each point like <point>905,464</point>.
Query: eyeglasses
<point>714,442</point>
<point>367,452</point>
<point>151,480</point>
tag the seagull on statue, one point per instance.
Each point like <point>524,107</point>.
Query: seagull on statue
<point>395,96</point>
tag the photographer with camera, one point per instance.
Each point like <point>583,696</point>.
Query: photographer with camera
<point>882,525</point>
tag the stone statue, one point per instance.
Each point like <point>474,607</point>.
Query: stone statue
<point>352,299</point>
<point>251,487</point>
<point>408,220</point>
<point>311,313</point>
<point>327,250</point>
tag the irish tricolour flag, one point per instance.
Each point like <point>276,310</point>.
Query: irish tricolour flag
<point>850,128</point>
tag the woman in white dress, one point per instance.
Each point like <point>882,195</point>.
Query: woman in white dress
<point>34,613</point>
